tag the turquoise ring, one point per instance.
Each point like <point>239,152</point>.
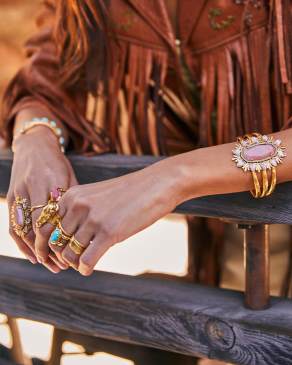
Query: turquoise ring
<point>59,238</point>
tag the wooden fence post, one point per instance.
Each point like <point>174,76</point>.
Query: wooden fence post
<point>256,258</point>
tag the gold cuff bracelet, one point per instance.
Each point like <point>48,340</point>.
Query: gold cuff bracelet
<point>260,155</point>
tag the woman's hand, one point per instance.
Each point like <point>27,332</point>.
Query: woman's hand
<point>38,168</point>
<point>105,213</point>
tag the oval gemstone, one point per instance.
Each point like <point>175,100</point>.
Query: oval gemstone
<point>259,152</point>
<point>55,235</point>
<point>56,194</point>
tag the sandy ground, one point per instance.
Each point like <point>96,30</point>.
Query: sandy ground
<point>144,251</point>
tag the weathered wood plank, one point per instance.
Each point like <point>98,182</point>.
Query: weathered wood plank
<point>274,209</point>
<point>184,318</point>
<point>6,362</point>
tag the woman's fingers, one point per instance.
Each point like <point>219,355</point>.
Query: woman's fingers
<point>60,263</point>
<point>44,232</point>
<point>24,245</point>
<point>83,236</point>
<point>41,241</point>
<point>50,265</point>
<point>92,255</point>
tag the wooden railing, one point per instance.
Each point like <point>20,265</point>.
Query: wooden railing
<point>172,316</point>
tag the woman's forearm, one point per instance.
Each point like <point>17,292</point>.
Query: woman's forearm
<point>209,171</point>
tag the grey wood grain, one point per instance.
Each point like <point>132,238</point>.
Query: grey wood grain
<point>183,318</point>
<point>6,362</point>
<point>241,206</point>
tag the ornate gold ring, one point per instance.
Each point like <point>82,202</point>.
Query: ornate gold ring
<point>20,215</point>
<point>59,237</point>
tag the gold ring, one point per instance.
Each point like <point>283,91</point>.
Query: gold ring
<point>49,214</point>
<point>20,215</point>
<point>76,246</point>
<point>56,194</point>
<point>59,237</point>
<point>35,207</point>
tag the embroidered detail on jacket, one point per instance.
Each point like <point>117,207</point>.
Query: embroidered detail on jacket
<point>128,20</point>
<point>215,24</point>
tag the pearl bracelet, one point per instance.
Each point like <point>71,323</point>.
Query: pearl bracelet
<point>52,125</point>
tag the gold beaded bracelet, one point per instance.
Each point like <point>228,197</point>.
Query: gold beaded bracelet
<point>52,125</point>
<point>260,155</point>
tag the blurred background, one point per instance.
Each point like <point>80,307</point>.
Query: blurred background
<point>144,252</point>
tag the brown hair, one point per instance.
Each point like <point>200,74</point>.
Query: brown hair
<point>76,20</point>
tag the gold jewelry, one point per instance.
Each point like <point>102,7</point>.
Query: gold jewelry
<point>49,214</point>
<point>52,125</point>
<point>35,207</point>
<point>76,246</point>
<point>20,215</point>
<point>56,194</point>
<point>260,155</point>
<point>59,237</point>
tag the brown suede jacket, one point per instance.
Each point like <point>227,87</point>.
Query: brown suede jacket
<point>226,70</point>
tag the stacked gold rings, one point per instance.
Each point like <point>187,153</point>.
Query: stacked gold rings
<point>61,238</point>
<point>76,246</point>
<point>260,155</point>
<point>21,213</point>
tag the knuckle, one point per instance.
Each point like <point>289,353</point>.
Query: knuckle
<point>31,179</point>
<point>41,251</point>
<point>106,231</point>
<point>92,220</point>
<point>66,256</point>
<point>82,202</point>
<point>45,231</point>
<point>70,194</point>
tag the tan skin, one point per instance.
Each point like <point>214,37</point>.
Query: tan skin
<point>106,213</point>
<point>37,150</point>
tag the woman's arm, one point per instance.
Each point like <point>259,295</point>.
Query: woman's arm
<point>105,213</point>
<point>35,91</point>
<point>39,166</point>
<point>209,171</point>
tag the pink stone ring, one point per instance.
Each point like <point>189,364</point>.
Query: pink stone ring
<point>20,215</point>
<point>258,154</point>
<point>56,194</point>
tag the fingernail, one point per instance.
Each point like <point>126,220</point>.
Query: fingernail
<point>33,260</point>
<point>40,260</point>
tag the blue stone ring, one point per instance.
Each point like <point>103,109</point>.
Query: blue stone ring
<point>59,237</point>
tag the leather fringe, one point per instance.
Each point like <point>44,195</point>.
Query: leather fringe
<point>128,81</point>
<point>240,79</point>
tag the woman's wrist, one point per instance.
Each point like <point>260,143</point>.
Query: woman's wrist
<point>37,137</point>
<point>206,171</point>
<point>178,181</point>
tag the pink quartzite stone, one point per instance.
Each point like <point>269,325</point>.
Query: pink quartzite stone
<point>56,194</point>
<point>19,215</point>
<point>259,152</point>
